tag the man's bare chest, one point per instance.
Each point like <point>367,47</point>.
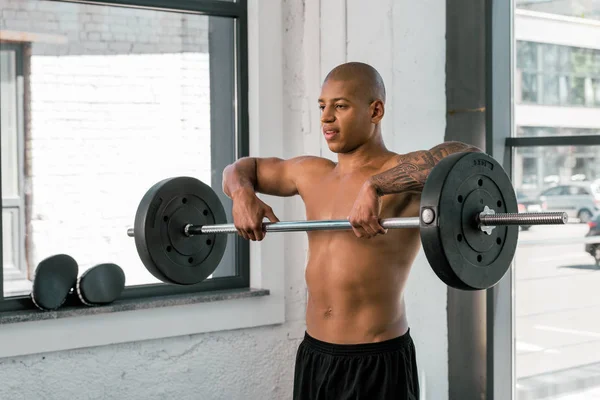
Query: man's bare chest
<point>332,197</point>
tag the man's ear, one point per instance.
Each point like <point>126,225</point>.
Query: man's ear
<point>377,109</point>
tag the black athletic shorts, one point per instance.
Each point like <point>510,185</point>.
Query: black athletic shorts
<point>371,371</point>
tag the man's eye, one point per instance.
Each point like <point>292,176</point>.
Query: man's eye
<point>340,106</point>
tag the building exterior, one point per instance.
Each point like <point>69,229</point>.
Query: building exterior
<point>557,91</point>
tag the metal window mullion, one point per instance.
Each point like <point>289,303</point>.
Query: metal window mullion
<point>222,71</point>
<point>536,141</point>
<point>21,146</point>
<point>243,125</point>
<point>540,74</point>
<point>499,321</point>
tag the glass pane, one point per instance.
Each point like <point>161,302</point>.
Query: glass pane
<point>556,274</point>
<point>9,248</point>
<point>550,90</point>
<point>577,91</point>
<point>530,85</point>
<point>596,63</point>
<point>589,92</point>
<point>527,56</point>
<point>596,92</point>
<point>119,99</point>
<point>564,59</point>
<point>8,123</point>
<point>582,61</point>
<point>550,58</point>
<point>563,89</point>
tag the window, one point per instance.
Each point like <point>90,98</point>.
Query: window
<point>555,270</point>
<point>551,74</point>
<point>554,161</point>
<point>101,101</point>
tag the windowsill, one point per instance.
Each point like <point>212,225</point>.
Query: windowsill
<point>68,328</point>
<point>131,305</point>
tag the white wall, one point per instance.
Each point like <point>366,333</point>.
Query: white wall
<point>405,41</point>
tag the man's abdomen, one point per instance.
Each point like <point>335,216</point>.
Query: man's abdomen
<point>355,292</point>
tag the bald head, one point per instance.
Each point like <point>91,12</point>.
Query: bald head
<point>365,77</point>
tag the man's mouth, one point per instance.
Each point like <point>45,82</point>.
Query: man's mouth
<point>329,133</point>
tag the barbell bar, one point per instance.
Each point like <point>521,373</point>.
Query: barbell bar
<point>468,224</point>
<point>484,220</point>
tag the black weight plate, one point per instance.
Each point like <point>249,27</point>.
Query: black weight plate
<point>164,249</point>
<point>458,189</point>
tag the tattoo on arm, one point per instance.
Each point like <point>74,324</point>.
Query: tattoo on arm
<point>409,175</point>
<point>442,150</point>
<point>413,168</point>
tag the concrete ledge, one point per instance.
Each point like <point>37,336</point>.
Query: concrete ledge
<point>68,328</point>
<point>131,305</point>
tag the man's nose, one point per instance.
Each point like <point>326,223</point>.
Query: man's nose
<point>327,115</point>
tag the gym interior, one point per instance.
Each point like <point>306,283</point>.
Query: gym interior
<point>101,100</point>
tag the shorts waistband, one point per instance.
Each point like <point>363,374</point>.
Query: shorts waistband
<point>396,343</point>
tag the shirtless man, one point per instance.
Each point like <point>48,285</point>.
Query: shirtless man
<point>357,342</point>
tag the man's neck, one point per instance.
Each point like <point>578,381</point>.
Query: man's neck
<point>369,154</point>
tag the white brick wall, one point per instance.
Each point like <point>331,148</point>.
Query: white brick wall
<point>104,129</point>
<point>69,28</point>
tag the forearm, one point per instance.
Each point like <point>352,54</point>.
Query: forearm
<point>239,175</point>
<point>413,168</point>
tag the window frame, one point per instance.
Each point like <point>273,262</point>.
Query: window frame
<point>498,319</point>
<point>238,12</point>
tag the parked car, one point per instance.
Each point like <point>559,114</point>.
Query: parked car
<point>578,199</point>
<point>527,204</point>
<point>593,249</point>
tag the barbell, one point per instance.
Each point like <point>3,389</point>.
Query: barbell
<point>468,224</point>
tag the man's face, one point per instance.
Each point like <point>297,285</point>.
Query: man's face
<point>346,115</point>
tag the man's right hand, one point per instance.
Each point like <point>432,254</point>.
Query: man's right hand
<point>248,214</point>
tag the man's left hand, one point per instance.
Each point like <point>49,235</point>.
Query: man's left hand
<point>364,216</point>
